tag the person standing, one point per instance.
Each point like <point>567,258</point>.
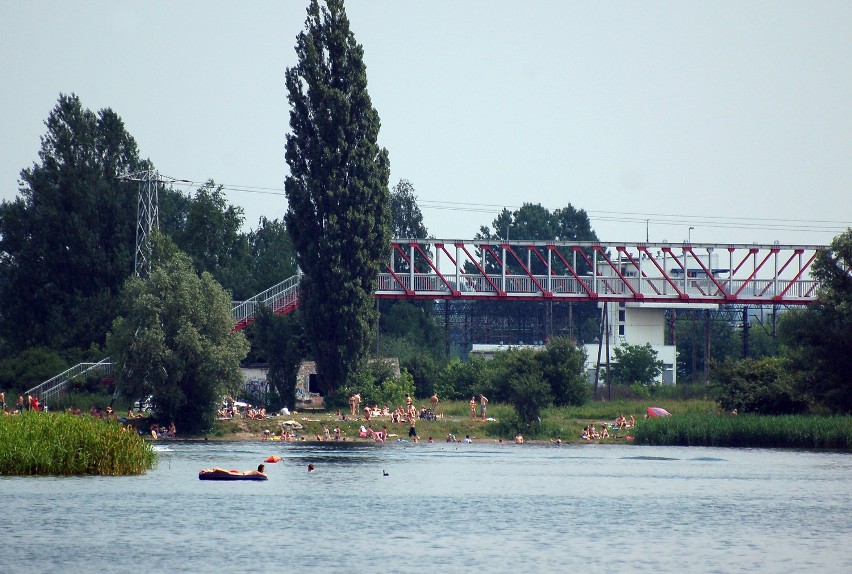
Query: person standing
<point>472,407</point>
<point>483,401</point>
<point>2,401</point>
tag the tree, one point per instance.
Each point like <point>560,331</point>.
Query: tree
<point>407,219</point>
<point>211,237</point>
<point>818,340</point>
<point>518,378</point>
<point>636,364</point>
<point>280,341</point>
<point>563,366</point>
<point>67,242</point>
<point>757,386</point>
<point>174,340</point>
<point>338,214</point>
<point>272,255</point>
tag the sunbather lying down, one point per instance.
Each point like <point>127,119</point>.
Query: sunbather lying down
<point>221,471</point>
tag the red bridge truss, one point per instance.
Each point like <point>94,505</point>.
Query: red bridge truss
<point>659,273</point>
<point>632,272</point>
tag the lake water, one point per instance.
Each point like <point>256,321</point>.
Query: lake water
<point>442,508</point>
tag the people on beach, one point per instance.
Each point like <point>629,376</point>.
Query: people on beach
<point>472,407</point>
<point>434,401</point>
<point>483,401</point>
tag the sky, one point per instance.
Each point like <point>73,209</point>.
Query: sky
<point>719,122</point>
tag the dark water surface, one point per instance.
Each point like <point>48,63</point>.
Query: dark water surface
<point>443,508</point>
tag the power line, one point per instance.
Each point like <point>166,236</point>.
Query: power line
<point>666,219</point>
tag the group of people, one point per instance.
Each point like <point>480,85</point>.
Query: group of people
<point>483,403</point>
<point>31,403</point>
<point>592,433</point>
<point>160,432</point>
<point>230,410</point>
<point>623,423</point>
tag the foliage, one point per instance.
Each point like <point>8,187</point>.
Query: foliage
<point>30,368</point>
<point>818,340</point>
<point>690,336</point>
<point>273,257</point>
<point>338,214</point>
<point>749,431</point>
<point>280,341</point>
<point>563,367</point>
<point>460,380</point>
<point>212,239</point>
<point>67,241</point>
<point>636,364</point>
<point>174,340</point>
<point>518,379</point>
<point>378,385</point>
<point>757,386</point>
<point>61,444</point>
<point>407,219</point>
<point>425,372</point>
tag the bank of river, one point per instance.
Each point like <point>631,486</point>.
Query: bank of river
<point>443,507</point>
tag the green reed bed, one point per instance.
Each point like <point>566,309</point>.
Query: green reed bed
<point>63,444</point>
<point>792,431</point>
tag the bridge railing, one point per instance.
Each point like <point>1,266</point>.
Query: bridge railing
<point>477,286</point>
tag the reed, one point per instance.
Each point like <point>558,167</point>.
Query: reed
<point>62,444</point>
<point>754,431</point>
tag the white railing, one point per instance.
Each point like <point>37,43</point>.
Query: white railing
<point>278,297</point>
<point>55,385</point>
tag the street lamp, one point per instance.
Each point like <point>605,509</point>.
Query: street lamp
<point>689,235</point>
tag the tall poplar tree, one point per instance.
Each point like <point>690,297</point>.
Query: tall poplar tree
<point>337,190</point>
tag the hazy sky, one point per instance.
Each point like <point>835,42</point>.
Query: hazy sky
<point>734,118</point>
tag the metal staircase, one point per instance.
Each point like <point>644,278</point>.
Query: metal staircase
<point>55,385</point>
<point>281,298</point>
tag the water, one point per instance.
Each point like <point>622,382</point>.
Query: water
<point>443,508</point>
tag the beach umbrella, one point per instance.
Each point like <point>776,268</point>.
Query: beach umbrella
<point>658,412</point>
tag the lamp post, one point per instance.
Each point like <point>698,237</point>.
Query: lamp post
<point>689,235</point>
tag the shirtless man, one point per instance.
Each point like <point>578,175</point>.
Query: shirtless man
<point>355,403</point>
<point>434,401</point>
<point>472,407</point>
<point>482,402</point>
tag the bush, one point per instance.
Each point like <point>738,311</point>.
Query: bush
<point>757,386</point>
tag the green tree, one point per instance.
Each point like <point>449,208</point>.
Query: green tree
<point>757,386</point>
<point>174,340</point>
<point>211,237</point>
<point>29,368</point>
<point>690,329</point>
<point>407,219</point>
<point>563,366</point>
<point>636,364</point>
<point>272,255</point>
<point>519,380</point>
<point>67,241</point>
<point>460,380</point>
<point>279,341</point>
<point>338,214</point>
<point>818,340</point>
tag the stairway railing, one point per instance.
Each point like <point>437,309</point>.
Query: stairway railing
<point>281,298</point>
<point>54,385</point>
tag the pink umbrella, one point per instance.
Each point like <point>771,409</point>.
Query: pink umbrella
<point>658,412</point>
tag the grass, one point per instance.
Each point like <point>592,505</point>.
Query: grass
<point>790,431</point>
<point>61,444</point>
